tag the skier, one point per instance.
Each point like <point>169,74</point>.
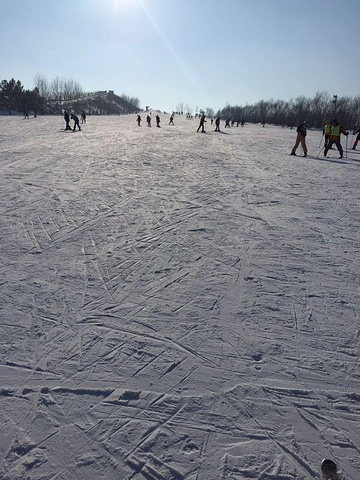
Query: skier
<point>26,114</point>
<point>301,134</point>
<point>138,119</point>
<point>202,124</point>
<point>148,119</point>
<point>76,120</point>
<point>227,123</point>
<point>357,138</point>
<point>157,121</point>
<point>171,120</point>
<point>217,124</point>
<point>83,117</point>
<point>67,120</point>
<point>335,132</point>
<point>326,132</point>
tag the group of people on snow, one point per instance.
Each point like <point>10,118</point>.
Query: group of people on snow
<point>157,118</point>
<point>332,132</point>
<point>75,118</point>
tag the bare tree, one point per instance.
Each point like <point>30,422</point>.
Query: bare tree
<point>210,113</point>
<point>43,85</point>
<point>132,100</point>
<point>71,89</point>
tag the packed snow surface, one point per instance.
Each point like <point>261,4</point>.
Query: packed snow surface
<point>176,305</point>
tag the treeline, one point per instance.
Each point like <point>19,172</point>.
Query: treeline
<point>48,96</point>
<point>59,89</point>
<point>317,110</point>
<point>14,97</point>
<point>132,100</point>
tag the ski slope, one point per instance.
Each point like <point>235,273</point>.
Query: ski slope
<point>176,305</point>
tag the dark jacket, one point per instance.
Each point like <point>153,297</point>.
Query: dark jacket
<point>302,129</point>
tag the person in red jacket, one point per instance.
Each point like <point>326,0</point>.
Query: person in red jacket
<point>335,132</point>
<point>202,124</point>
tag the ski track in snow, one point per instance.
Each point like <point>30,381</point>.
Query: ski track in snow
<point>176,305</point>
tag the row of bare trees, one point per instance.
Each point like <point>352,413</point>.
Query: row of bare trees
<point>132,100</point>
<point>317,110</point>
<point>58,89</point>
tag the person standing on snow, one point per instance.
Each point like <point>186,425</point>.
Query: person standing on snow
<point>171,120</point>
<point>217,124</point>
<point>138,119</point>
<point>157,121</point>
<point>326,132</point>
<point>202,124</point>
<point>76,120</point>
<point>67,120</point>
<point>148,119</point>
<point>357,138</point>
<point>335,132</point>
<point>301,134</point>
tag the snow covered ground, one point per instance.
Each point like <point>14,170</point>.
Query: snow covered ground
<point>176,305</point>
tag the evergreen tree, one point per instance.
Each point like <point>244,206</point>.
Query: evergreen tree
<point>11,94</point>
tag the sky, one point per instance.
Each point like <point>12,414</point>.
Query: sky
<point>201,53</point>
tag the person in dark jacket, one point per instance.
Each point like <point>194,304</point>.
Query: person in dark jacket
<point>157,121</point>
<point>300,139</point>
<point>217,124</point>
<point>76,120</point>
<point>202,124</point>
<point>335,132</point>
<point>171,120</point>
<point>83,116</point>
<point>138,119</point>
<point>356,139</point>
<point>148,119</point>
<point>67,120</point>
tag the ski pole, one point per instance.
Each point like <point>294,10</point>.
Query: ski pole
<point>321,148</point>
<point>321,139</point>
<point>346,148</point>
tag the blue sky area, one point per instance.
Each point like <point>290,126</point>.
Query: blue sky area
<point>204,53</point>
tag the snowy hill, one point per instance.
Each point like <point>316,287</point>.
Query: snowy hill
<point>106,102</point>
<point>176,305</point>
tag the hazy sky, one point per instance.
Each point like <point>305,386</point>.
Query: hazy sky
<point>204,53</point>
